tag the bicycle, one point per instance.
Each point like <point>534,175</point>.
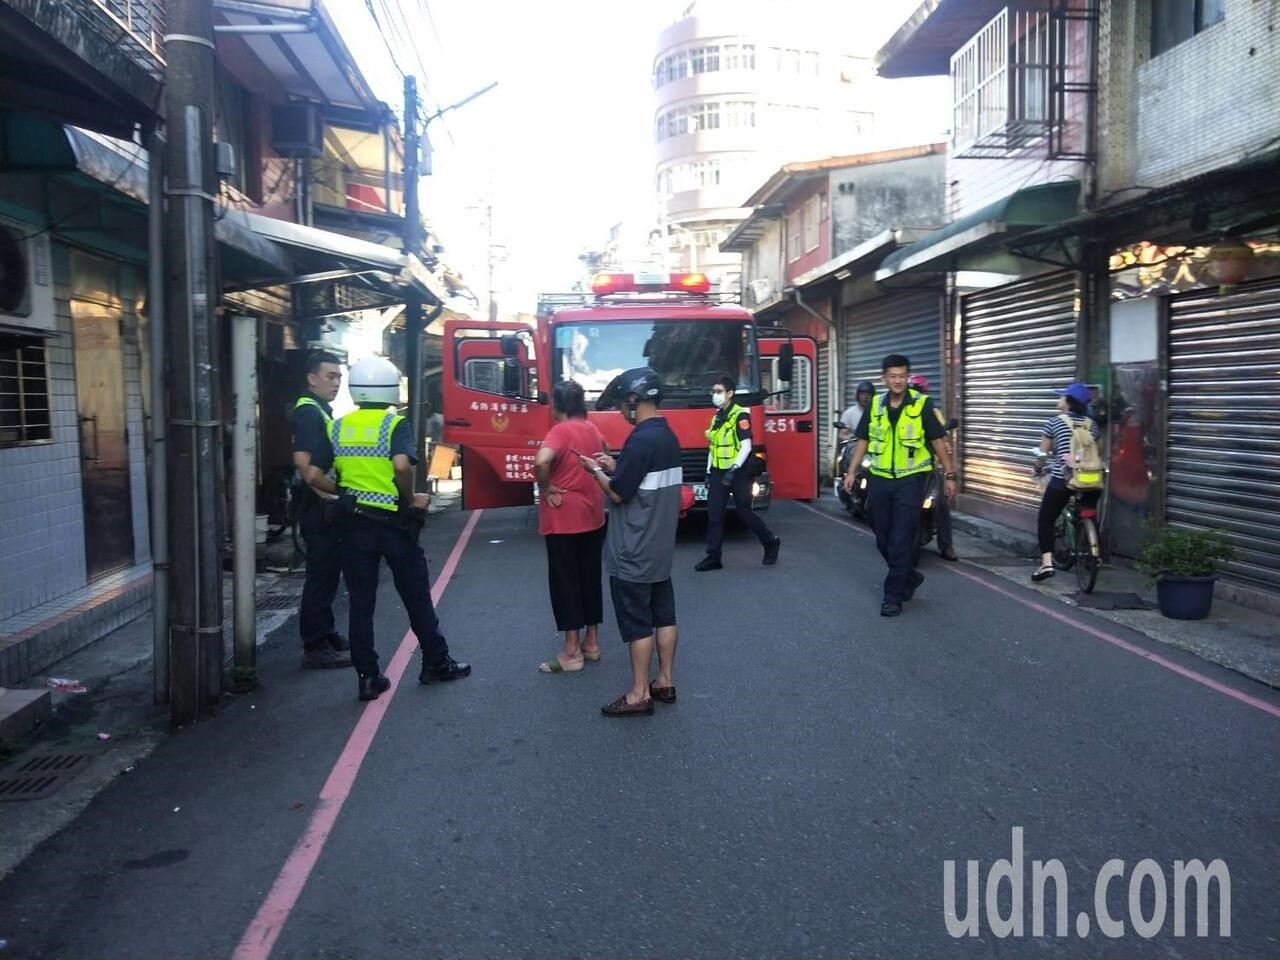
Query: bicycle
<point>1076,543</point>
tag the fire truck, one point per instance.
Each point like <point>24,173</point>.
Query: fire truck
<point>496,381</point>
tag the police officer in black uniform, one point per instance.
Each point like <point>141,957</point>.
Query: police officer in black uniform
<point>322,645</point>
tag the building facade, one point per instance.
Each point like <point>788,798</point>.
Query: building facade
<point>1114,218</point>
<point>740,88</point>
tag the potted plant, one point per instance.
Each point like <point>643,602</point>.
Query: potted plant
<point>1184,564</point>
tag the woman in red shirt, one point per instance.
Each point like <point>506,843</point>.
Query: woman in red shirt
<point>571,520</point>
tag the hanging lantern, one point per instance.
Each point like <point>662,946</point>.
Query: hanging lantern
<point>1229,260</point>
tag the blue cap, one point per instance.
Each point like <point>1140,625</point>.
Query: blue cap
<point>1078,392</point>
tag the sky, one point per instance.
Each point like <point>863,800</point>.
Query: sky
<point>562,148</point>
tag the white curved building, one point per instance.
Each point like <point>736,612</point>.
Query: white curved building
<point>741,87</point>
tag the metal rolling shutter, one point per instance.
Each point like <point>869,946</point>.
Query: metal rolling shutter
<point>907,323</point>
<point>822,412</point>
<point>1018,346</point>
<point>1223,456</point>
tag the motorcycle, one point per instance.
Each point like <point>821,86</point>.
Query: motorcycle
<point>928,504</point>
<point>855,502</point>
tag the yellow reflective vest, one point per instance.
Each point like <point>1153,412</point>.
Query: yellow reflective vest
<point>306,400</point>
<point>901,450</point>
<point>723,439</point>
<point>362,456</point>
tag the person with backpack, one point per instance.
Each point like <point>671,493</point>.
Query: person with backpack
<point>1070,443</point>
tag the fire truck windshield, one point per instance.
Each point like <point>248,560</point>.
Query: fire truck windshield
<point>687,354</point>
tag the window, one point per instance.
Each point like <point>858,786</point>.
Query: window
<point>811,66</point>
<point>999,82</point>
<point>797,398</point>
<point>790,61</point>
<point>24,391</point>
<point>739,56</point>
<point>1173,21</point>
<point>812,217</point>
<point>677,66</point>
<point>704,60</point>
<point>705,116</point>
<point>740,113</point>
<point>793,237</point>
<point>231,126</point>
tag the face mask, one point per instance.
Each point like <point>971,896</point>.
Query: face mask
<point>718,398</point>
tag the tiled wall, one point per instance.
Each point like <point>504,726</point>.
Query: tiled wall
<point>41,511</point>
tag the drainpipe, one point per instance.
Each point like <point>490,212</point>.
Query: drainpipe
<point>832,376</point>
<point>244,469</point>
<point>159,422</point>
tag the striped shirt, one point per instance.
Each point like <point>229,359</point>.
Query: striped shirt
<point>641,537</point>
<point>1058,431</point>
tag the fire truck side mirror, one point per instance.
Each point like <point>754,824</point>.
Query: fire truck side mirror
<point>786,363</point>
<point>511,376</point>
<point>510,346</point>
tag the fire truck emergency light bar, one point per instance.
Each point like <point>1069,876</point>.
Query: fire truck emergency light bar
<point>607,283</point>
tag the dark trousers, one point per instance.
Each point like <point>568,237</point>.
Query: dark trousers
<point>573,574</point>
<point>718,505</point>
<point>324,570</point>
<point>1056,496</point>
<point>365,543</point>
<point>894,506</point>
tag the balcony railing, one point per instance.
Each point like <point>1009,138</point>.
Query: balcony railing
<point>136,25</point>
<point>1000,82</point>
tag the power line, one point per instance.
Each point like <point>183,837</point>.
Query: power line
<point>383,34</point>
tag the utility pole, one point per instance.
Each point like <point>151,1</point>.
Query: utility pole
<point>493,303</point>
<point>194,428</point>
<point>413,325</point>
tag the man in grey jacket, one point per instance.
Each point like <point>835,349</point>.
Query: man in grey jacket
<point>643,488</point>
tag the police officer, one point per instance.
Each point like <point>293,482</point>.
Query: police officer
<point>382,517</point>
<point>898,431</point>
<point>322,645</point>
<point>729,440</point>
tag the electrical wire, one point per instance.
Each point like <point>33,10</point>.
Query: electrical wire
<point>383,34</point>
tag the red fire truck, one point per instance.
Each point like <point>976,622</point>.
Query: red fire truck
<point>496,378</point>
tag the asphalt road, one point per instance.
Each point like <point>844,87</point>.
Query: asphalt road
<point>799,800</point>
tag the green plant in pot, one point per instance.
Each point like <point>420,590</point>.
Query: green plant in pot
<point>1184,564</point>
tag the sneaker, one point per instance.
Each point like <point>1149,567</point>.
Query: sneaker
<point>708,563</point>
<point>917,578</point>
<point>771,551</point>
<point>949,554</point>
<point>324,658</point>
<point>890,609</point>
<point>444,670</point>
<point>1044,573</point>
<point>339,642</point>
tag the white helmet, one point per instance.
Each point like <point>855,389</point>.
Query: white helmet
<point>374,380</point>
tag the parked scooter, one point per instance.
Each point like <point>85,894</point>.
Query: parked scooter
<point>855,502</point>
<point>928,506</point>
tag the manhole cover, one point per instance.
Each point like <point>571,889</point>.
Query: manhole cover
<point>1104,600</point>
<point>41,775</point>
<point>278,601</point>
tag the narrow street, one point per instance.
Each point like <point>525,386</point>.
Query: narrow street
<point>799,800</point>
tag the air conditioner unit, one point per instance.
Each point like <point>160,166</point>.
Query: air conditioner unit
<point>762,290</point>
<point>297,130</point>
<point>26,277</point>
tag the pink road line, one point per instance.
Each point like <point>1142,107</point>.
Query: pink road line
<point>1110,638</point>
<point>261,936</point>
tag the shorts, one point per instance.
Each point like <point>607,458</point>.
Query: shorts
<point>642,607</point>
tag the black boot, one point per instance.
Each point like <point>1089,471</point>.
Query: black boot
<point>372,686</point>
<point>444,669</point>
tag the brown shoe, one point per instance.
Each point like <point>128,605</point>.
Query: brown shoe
<point>949,554</point>
<point>665,694</point>
<point>620,708</point>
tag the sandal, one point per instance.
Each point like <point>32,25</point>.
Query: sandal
<point>665,694</point>
<point>1044,573</point>
<point>621,708</point>
<point>558,666</point>
<point>591,655</point>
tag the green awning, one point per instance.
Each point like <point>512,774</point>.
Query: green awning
<point>1025,210</point>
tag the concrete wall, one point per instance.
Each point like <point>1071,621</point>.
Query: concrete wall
<point>1205,103</point>
<point>900,193</point>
